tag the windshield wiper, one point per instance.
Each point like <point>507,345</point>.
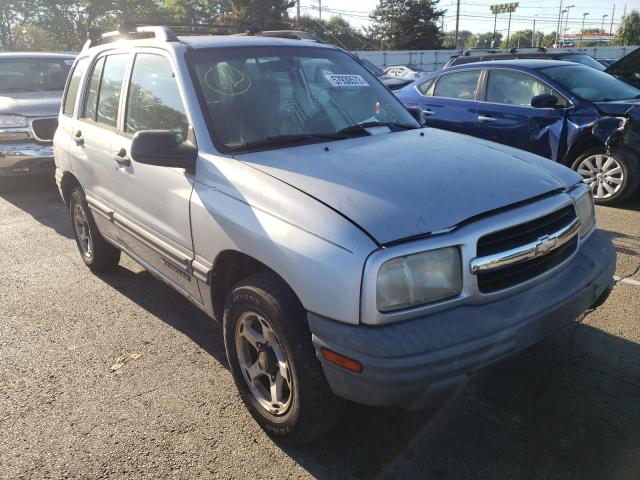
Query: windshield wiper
<point>283,140</point>
<point>362,127</point>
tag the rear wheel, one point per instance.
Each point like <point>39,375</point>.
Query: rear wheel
<point>273,361</point>
<point>98,254</point>
<point>611,177</point>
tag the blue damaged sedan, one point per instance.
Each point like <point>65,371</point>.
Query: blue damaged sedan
<point>567,112</point>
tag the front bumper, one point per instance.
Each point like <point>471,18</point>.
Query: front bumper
<point>422,362</point>
<point>26,158</point>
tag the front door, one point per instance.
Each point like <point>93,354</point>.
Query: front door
<point>508,117</point>
<point>151,202</point>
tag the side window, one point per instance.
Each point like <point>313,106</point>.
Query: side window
<point>513,88</point>
<point>71,94</point>
<point>153,101</point>
<point>91,100</point>
<point>461,85</point>
<point>110,87</point>
<point>424,87</point>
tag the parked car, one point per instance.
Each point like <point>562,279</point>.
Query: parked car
<point>627,68</point>
<point>391,82</point>
<point>576,115</point>
<point>31,86</point>
<point>404,71</point>
<point>541,54</point>
<point>348,252</point>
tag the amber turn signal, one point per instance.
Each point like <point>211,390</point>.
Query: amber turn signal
<point>341,360</point>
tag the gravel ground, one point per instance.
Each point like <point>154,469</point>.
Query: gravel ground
<point>116,376</point>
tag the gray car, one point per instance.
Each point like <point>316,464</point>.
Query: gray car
<point>347,251</point>
<point>31,86</point>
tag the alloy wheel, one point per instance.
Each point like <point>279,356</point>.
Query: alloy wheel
<point>603,174</point>
<point>83,233</point>
<point>264,364</point>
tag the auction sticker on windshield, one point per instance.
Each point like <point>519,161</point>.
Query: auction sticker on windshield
<point>345,80</point>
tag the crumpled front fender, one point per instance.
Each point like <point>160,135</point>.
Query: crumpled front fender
<point>618,131</point>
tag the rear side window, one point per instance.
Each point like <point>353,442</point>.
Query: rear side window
<point>74,85</point>
<point>460,85</point>
<point>154,101</point>
<point>514,88</point>
<point>103,94</point>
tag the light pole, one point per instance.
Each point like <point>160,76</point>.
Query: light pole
<point>582,34</point>
<point>559,36</point>
<point>566,20</point>
<point>602,28</point>
<point>533,33</point>
<point>559,22</point>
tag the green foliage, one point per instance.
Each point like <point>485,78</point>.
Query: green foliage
<point>485,40</point>
<point>522,39</point>
<point>465,38</point>
<point>406,24</point>
<point>549,39</point>
<point>629,30</point>
<point>336,31</point>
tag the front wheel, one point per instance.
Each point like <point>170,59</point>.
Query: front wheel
<point>273,361</point>
<point>612,177</point>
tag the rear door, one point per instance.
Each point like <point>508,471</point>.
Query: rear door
<point>93,133</point>
<point>449,101</point>
<point>152,202</point>
<point>506,115</point>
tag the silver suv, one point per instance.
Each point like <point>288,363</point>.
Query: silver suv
<point>31,86</point>
<point>348,252</point>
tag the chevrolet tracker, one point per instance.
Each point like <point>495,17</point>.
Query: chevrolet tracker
<point>349,252</point>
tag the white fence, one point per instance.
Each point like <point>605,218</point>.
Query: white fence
<point>430,60</point>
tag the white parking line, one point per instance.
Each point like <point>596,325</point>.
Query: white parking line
<point>627,281</point>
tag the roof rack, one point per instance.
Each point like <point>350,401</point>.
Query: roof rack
<point>168,33</point>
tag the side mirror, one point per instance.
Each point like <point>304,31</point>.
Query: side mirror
<point>546,100</point>
<point>160,148</point>
<point>417,113</point>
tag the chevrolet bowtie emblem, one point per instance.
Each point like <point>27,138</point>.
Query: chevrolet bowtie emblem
<point>545,244</point>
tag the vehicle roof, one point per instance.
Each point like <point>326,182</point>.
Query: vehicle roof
<point>36,55</point>
<point>216,41</point>
<point>516,62</point>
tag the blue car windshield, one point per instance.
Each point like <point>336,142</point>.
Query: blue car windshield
<point>272,97</point>
<point>584,59</point>
<point>591,84</point>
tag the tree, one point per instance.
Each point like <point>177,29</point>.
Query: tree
<point>197,12</point>
<point>336,31</point>
<point>406,24</point>
<point>548,40</point>
<point>522,39</point>
<point>261,14</point>
<point>14,15</point>
<point>465,38</point>
<point>629,30</point>
<point>485,40</point>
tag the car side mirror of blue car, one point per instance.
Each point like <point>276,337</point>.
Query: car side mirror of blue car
<point>546,100</point>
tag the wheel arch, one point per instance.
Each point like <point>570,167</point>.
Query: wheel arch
<point>229,267</point>
<point>582,144</point>
<point>67,184</point>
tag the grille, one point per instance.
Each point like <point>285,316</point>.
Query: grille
<point>44,128</point>
<point>497,242</point>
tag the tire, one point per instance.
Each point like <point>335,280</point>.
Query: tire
<point>98,254</point>
<point>624,180</point>
<point>311,409</point>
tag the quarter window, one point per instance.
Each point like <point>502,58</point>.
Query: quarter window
<point>74,84</point>
<point>514,88</point>
<point>461,85</point>
<point>424,87</point>
<point>154,101</point>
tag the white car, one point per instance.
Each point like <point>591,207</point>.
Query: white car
<point>404,71</point>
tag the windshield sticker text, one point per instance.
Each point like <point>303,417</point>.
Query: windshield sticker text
<point>344,80</point>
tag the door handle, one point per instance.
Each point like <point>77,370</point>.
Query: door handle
<point>428,112</point>
<point>482,118</point>
<point>78,138</point>
<point>121,157</point>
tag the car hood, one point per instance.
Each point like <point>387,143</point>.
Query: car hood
<point>627,65</point>
<point>394,83</point>
<point>401,185</point>
<point>623,107</point>
<point>31,104</point>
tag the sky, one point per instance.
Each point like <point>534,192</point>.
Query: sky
<point>476,16</point>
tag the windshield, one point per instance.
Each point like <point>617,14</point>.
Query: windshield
<point>33,74</point>
<point>271,97</point>
<point>584,59</point>
<point>372,68</point>
<point>590,84</point>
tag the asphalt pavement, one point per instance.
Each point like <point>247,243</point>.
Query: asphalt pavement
<point>117,376</point>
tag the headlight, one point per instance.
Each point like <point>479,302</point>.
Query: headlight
<point>584,209</point>
<point>12,121</point>
<point>418,279</point>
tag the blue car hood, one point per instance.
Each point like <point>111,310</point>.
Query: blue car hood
<point>400,185</point>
